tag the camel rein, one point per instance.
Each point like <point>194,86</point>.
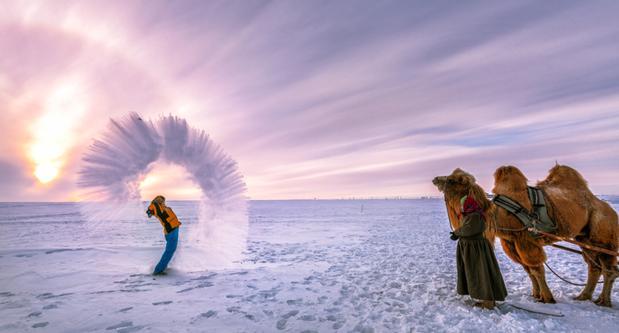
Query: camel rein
<point>569,240</point>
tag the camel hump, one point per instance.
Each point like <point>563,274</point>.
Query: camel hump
<point>565,176</point>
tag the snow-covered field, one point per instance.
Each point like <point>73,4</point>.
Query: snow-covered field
<point>310,266</point>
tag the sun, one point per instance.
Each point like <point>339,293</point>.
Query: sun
<point>45,173</point>
<point>53,133</point>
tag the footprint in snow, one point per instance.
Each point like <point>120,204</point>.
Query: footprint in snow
<point>208,314</point>
<point>234,309</point>
<point>120,325</point>
<point>203,315</point>
<point>204,277</point>
<point>38,325</point>
<point>281,324</point>
<point>250,317</point>
<point>291,314</point>
<point>162,303</point>
<point>294,301</point>
<point>338,325</point>
<point>201,285</point>
<point>395,285</point>
<point>130,329</point>
<point>64,250</point>
<point>51,295</point>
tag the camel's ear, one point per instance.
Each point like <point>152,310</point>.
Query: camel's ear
<point>465,179</point>
<point>470,179</point>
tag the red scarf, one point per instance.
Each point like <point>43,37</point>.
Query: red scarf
<point>470,206</point>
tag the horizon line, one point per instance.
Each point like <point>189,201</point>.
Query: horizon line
<point>423,197</point>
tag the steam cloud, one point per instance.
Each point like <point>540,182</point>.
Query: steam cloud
<point>115,164</point>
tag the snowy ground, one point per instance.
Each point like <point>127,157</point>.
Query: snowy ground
<point>311,266</point>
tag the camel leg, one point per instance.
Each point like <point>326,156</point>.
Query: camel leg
<point>535,292</point>
<point>540,275</point>
<point>603,233</point>
<point>510,250</point>
<point>610,274</point>
<point>533,256</point>
<point>592,277</point>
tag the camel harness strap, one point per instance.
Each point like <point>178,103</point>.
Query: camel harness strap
<point>537,219</point>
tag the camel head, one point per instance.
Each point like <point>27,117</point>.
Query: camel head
<point>456,185</point>
<point>509,179</point>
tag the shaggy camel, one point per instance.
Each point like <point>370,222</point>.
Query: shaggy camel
<point>576,211</point>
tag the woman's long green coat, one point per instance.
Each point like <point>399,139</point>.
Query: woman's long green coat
<point>478,271</point>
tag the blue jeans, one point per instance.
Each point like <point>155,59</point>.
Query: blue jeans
<point>170,246</point>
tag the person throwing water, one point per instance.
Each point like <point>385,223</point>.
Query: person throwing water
<point>170,224</point>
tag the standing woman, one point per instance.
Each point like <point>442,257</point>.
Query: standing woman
<point>170,224</point>
<point>478,271</point>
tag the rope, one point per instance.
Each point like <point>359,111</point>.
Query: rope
<point>508,229</point>
<point>533,311</point>
<point>593,261</point>
<point>604,270</point>
<point>565,280</point>
<point>448,207</point>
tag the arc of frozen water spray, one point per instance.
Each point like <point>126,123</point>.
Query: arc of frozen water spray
<point>114,165</point>
<point>115,161</point>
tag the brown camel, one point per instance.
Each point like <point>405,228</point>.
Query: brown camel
<point>576,211</point>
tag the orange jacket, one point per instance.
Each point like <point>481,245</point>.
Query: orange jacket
<point>166,216</point>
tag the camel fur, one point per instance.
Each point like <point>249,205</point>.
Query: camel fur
<point>577,212</point>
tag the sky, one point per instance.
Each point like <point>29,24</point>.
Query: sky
<point>314,99</point>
